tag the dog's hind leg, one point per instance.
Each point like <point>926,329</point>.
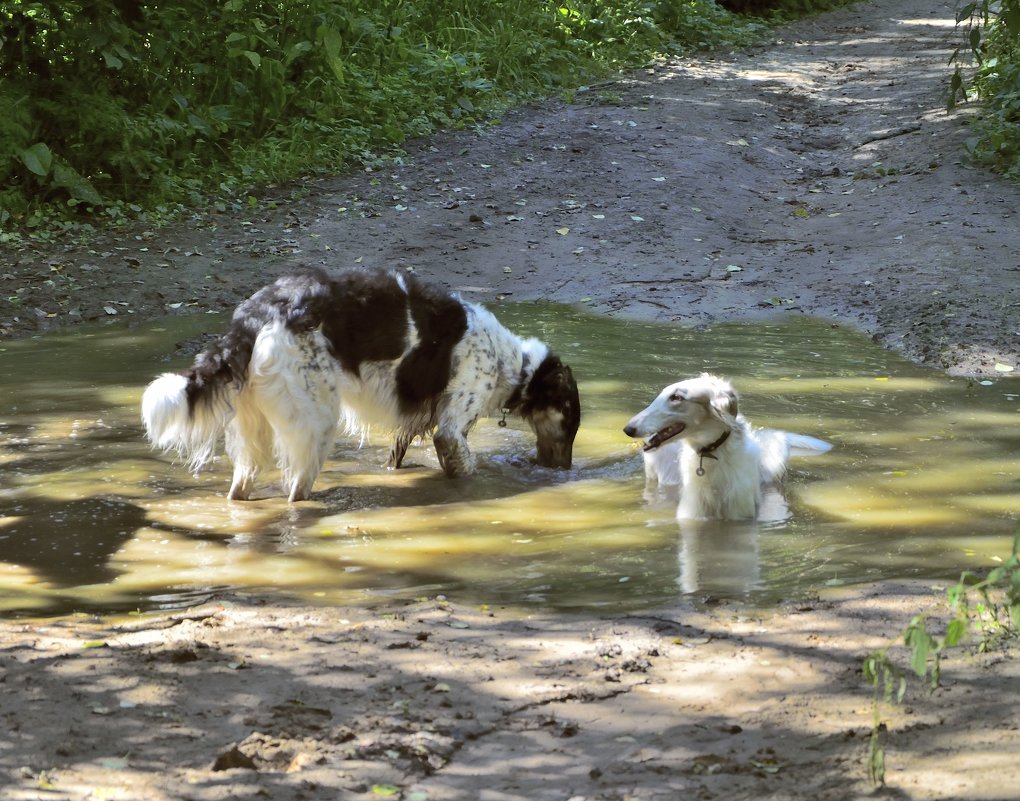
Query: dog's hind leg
<point>303,441</point>
<point>296,383</point>
<point>249,444</point>
<point>399,450</point>
<point>305,428</point>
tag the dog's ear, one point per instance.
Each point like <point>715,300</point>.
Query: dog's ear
<point>725,403</point>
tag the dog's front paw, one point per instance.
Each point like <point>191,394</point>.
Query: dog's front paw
<point>454,456</point>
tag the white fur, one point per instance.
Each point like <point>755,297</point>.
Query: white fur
<point>170,427</point>
<point>662,466</point>
<point>289,407</point>
<point>488,365</point>
<point>734,473</point>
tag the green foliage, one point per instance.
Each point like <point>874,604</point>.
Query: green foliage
<point>105,104</point>
<point>989,606</point>
<point>991,38</point>
<point>889,684</point>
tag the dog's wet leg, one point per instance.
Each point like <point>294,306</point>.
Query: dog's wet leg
<point>242,484</point>
<point>300,489</point>
<point>295,382</point>
<point>249,441</point>
<point>398,451</point>
<point>302,451</point>
<point>456,417</point>
<point>454,455</point>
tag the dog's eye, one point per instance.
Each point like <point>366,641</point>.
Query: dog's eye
<point>676,397</point>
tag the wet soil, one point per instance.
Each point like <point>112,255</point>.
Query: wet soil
<point>818,175</point>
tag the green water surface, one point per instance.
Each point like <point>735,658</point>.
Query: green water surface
<point>923,481</point>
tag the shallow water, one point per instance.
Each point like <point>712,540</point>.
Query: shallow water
<point>922,482</point>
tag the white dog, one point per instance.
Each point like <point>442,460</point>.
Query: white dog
<point>365,347</point>
<point>696,438</point>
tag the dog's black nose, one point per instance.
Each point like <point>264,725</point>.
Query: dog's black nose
<point>630,431</point>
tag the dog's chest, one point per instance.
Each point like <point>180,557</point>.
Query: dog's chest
<point>725,487</point>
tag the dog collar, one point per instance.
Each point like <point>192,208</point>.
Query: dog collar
<point>708,452</point>
<point>517,395</point>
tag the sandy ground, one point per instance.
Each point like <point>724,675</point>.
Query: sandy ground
<point>819,175</point>
<point>240,700</point>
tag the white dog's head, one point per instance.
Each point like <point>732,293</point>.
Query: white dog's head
<point>699,410</point>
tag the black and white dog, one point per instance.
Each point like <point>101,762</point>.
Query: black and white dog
<point>364,348</point>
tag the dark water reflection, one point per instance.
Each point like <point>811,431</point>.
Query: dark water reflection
<point>923,482</point>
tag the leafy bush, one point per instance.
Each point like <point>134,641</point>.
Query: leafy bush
<point>992,39</point>
<point>105,103</point>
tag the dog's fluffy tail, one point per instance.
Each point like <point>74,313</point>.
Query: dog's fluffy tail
<point>188,412</point>
<point>778,446</point>
<point>173,423</point>
<point>803,445</point>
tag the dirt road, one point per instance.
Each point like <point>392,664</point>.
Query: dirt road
<point>819,175</point>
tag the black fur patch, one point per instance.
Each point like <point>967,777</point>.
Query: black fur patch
<point>364,317</point>
<point>441,321</point>
<point>553,387</point>
<point>225,361</point>
<point>220,364</point>
<point>366,320</point>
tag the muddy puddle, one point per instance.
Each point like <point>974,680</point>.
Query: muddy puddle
<point>922,482</point>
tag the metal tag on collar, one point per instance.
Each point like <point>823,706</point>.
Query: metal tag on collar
<point>502,423</point>
<point>708,452</point>
<point>701,459</point>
